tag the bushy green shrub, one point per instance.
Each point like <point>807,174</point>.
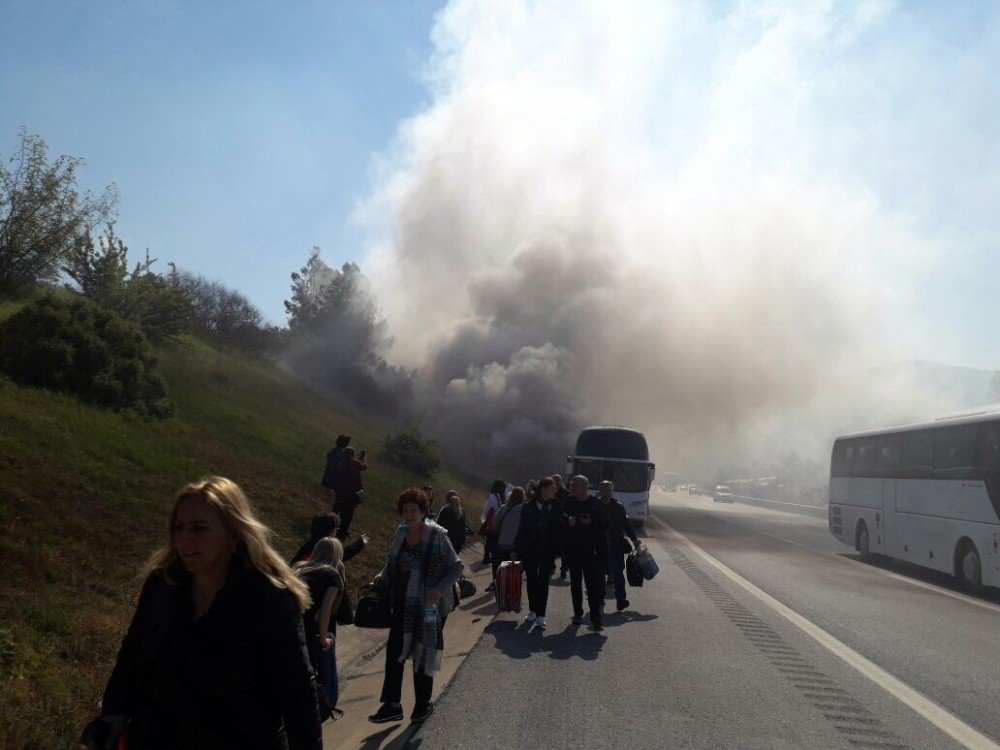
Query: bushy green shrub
<point>414,451</point>
<point>77,347</point>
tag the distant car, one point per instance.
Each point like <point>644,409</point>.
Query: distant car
<point>692,490</point>
<point>722,494</point>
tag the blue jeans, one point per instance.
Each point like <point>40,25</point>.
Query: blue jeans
<point>328,673</point>
<point>617,565</point>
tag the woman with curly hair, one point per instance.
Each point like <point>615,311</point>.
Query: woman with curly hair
<point>215,656</point>
<point>419,575</point>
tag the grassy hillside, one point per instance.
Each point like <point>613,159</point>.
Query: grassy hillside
<point>84,498</point>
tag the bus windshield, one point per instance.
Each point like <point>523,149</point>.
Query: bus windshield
<point>627,477</point>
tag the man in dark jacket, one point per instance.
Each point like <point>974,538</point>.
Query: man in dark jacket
<point>585,548</point>
<point>536,545</point>
<point>619,527</point>
<point>336,460</point>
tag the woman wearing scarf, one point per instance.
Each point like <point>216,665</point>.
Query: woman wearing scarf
<point>419,576</point>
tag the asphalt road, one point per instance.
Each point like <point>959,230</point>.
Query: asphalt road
<point>733,650</point>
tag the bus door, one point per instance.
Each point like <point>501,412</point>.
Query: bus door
<point>888,461</point>
<point>884,516</point>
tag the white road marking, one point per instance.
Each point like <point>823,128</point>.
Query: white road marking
<point>939,716</point>
<point>874,568</point>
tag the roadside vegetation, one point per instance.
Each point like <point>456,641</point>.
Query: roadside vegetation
<point>120,384</point>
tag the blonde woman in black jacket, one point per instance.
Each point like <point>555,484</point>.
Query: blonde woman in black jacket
<point>215,657</point>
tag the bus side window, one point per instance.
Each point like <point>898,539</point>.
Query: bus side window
<point>918,452</point>
<point>954,449</point>
<point>842,454</point>
<point>864,458</point>
<point>888,459</point>
<point>988,449</point>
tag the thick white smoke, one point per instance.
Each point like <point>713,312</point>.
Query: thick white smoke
<point>634,213</point>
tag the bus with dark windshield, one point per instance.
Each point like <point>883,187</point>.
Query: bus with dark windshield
<point>621,456</point>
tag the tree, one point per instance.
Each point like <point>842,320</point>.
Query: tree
<point>338,339</point>
<point>158,306</point>
<point>77,347</point>
<point>42,213</point>
<point>412,450</point>
<point>225,315</point>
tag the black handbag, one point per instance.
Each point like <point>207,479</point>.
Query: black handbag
<point>345,612</point>
<point>466,588</point>
<point>373,611</point>
<point>632,572</point>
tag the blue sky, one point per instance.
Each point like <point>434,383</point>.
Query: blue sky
<point>242,134</point>
<point>239,134</point>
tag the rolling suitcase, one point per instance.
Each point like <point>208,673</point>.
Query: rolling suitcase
<point>508,586</point>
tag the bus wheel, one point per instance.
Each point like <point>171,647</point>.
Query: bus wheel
<point>968,566</point>
<point>862,541</point>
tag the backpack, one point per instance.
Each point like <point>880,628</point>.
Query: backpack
<point>508,525</point>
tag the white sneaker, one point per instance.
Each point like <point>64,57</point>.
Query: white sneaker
<point>530,617</point>
<point>540,623</point>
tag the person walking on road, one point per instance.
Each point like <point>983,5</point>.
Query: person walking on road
<point>452,518</point>
<point>323,573</point>
<point>419,576</point>
<point>505,526</point>
<point>585,546</point>
<point>493,503</point>
<point>215,656</point>
<point>536,545</point>
<point>428,490</point>
<point>557,503</point>
<point>323,525</point>
<point>619,527</point>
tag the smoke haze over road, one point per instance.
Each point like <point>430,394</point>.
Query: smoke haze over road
<point>638,214</point>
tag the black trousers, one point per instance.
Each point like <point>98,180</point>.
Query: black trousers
<point>346,513</point>
<point>538,570</point>
<point>392,685</point>
<point>590,570</point>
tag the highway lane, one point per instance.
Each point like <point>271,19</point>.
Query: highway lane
<point>701,662</point>
<point>941,642</point>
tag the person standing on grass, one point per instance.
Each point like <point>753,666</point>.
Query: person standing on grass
<point>619,527</point>
<point>334,470</point>
<point>215,656</point>
<point>452,518</point>
<point>323,525</point>
<point>351,491</point>
<point>323,573</point>
<point>419,576</point>
<point>536,545</point>
<point>493,502</point>
<point>585,545</point>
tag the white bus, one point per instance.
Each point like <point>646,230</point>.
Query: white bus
<point>926,493</point>
<point>621,456</point>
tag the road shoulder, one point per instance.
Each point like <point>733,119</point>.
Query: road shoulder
<point>361,664</point>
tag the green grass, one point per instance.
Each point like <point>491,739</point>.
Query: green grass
<point>84,498</point>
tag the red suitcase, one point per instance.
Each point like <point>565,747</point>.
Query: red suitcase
<point>508,586</point>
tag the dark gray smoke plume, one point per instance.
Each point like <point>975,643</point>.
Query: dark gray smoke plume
<point>622,213</point>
